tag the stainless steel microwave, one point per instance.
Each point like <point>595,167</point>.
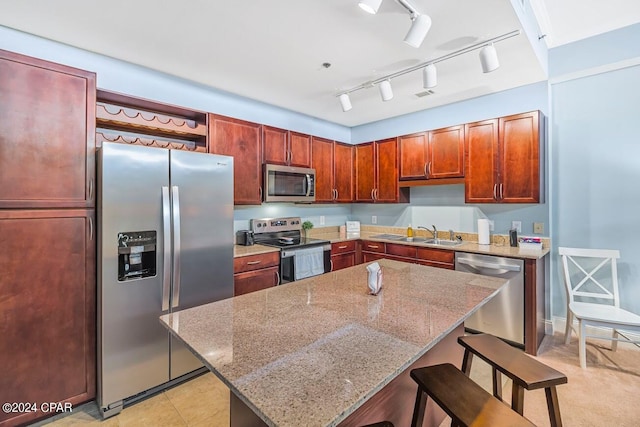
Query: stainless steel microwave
<point>289,184</point>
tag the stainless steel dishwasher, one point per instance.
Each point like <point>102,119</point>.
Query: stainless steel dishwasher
<point>503,316</point>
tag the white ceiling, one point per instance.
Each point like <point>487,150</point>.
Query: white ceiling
<point>272,51</point>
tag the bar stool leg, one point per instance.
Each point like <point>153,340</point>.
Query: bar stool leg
<point>497,383</point>
<point>466,362</point>
<point>419,408</point>
<point>553,406</point>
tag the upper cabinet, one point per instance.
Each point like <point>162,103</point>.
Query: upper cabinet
<point>377,173</point>
<point>432,155</point>
<point>240,139</point>
<point>47,134</point>
<point>503,160</point>
<point>283,147</point>
<point>333,162</point>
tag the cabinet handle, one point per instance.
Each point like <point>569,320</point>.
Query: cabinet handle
<point>426,174</point>
<point>277,278</point>
<point>495,187</point>
<point>373,246</point>
<point>331,265</point>
<point>91,189</point>
<point>501,192</point>
<point>377,198</point>
<point>90,229</point>
<point>342,247</point>
<point>337,194</point>
<point>372,196</point>
<point>429,170</point>
<point>254,262</point>
<point>260,192</point>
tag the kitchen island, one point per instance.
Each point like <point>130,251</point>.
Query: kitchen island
<point>323,352</point>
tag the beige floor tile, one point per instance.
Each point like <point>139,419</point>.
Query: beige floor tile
<point>157,411</point>
<point>201,399</point>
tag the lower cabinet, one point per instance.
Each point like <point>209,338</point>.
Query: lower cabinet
<point>47,309</point>
<point>343,255</point>
<point>255,272</point>
<point>433,257</point>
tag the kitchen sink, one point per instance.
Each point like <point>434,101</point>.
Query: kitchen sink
<point>442,242</point>
<point>413,239</point>
<point>431,241</point>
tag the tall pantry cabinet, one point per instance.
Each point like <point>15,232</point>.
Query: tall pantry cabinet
<point>47,234</point>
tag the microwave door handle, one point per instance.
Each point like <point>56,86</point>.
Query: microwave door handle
<point>175,201</point>
<point>308,185</point>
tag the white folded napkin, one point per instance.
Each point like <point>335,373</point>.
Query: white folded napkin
<point>375,278</point>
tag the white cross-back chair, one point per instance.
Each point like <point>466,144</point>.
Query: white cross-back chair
<point>591,280</point>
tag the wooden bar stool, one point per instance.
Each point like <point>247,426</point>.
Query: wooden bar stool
<point>525,371</point>
<point>463,400</point>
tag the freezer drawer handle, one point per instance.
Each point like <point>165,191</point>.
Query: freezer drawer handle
<point>166,247</point>
<point>491,265</point>
<point>175,209</point>
<point>254,262</point>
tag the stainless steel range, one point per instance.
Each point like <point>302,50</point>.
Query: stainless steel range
<point>300,257</point>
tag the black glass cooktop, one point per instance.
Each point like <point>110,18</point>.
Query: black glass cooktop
<point>293,242</point>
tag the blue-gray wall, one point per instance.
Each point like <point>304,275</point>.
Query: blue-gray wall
<point>595,167</point>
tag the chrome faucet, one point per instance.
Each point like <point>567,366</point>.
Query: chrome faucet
<point>434,231</point>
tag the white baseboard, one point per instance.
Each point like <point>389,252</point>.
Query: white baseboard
<point>558,325</point>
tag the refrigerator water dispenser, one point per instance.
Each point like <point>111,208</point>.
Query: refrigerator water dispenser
<point>136,255</point>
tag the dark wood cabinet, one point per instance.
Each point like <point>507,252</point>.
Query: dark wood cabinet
<point>435,154</point>
<point>333,162</point>
<point>256,272</point>
<point>48,293</point>
<point>503,160</point>
<point>283,147</point>
<point>343,255</point>
<point>240,139</point>
<point>377,173</point>
<point>47,134</point>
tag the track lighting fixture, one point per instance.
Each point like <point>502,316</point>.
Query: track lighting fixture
<point>385,90</point>
<point>420,25</point>
<point>429,76</point>
<point>370,6</point>
<point>345,102</point>
<point>488,60</point>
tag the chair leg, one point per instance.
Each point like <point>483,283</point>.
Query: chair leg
<point>567,329</point>
<point>419,408</point>
<point>582,350</point>
<point>614,342</point>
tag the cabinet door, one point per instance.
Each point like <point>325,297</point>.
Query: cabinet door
<point>519,138</point>
<point>365,172</point>
<point>446,153</point>
<point>275,145</point>
<point>48,330</point>
<point>47,134</point>
<point>387,170</point>
<point>241,140</point>
<point>322,162</point>
<point>413,156</point>
<point>256,280</point>
<point>481,169</point>
<point>338,262</point>
<point>299,149</point>
<point>343,172</point>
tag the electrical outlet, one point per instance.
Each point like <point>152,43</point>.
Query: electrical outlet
<point>517,225</point>
<point>374,219</point>
<point>538,227</point>
<point>492,225</point>
<point>321,219</point>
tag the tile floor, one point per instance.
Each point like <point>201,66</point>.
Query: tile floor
<point>605,394</point>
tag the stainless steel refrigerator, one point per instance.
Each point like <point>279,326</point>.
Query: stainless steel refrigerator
<point>165,243</point>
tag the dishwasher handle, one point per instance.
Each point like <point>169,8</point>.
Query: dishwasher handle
<point>489,265</point>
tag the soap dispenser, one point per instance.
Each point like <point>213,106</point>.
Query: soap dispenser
<point>409,233</point>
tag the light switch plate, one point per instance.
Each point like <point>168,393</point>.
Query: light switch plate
<point>538,227</point>
<point>321,219</point>
<point>374,219</point>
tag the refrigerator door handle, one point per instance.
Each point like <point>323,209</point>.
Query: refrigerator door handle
<point>166,254</point>
<point>175,209</point>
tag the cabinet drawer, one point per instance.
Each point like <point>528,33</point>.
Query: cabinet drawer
<point>436,257</point>
<point>370,256</point>
<point>401,250</point>
<point>372,246</point>
<point>255,262</point>
<point>252,281</point>
<point>342,247</point>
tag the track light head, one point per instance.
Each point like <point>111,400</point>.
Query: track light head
<point>420,26</point>
<point>345,102</point>
<point>429,76</point>
<point>370,6</point>
<point>385,90</point>
<point>489,58</point>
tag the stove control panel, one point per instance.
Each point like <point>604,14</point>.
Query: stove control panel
<point>273,225</point>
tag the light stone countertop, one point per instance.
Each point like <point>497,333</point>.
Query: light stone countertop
<point>240,251</point>
<point>310,352</point>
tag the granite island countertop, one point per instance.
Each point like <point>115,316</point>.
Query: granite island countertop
<point>312,351</point>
